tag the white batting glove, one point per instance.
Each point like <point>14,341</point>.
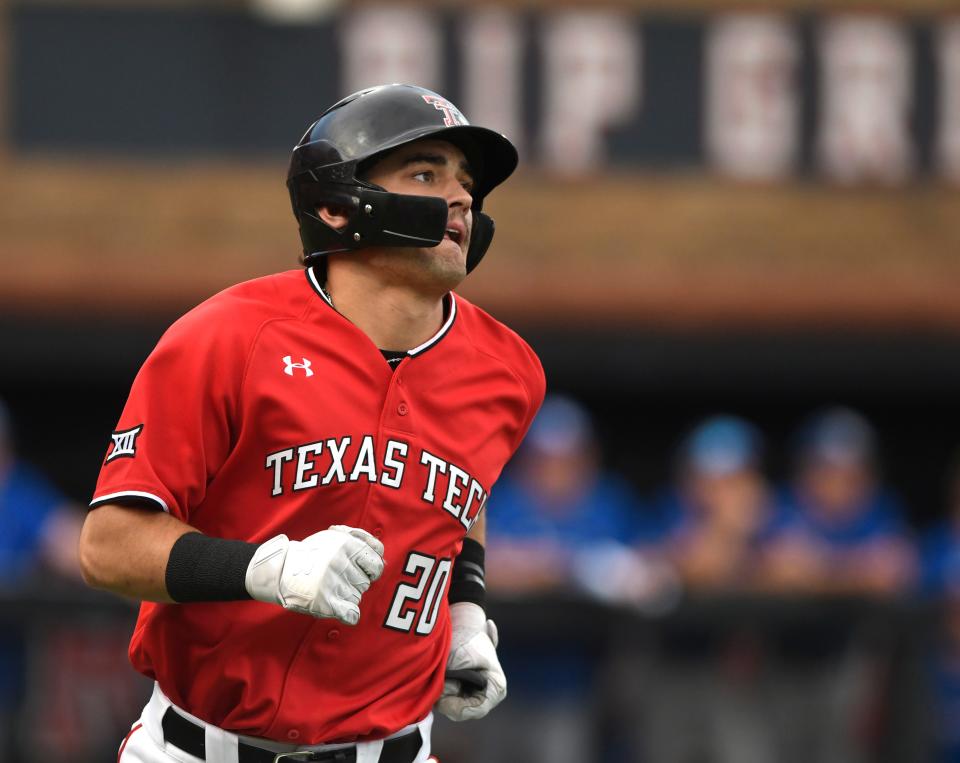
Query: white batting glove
<point>323,575</point>
<point>473,646</point>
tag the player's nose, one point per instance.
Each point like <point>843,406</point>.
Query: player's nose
<point>457,195</point>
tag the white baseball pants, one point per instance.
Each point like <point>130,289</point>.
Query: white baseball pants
<point>144,743</point>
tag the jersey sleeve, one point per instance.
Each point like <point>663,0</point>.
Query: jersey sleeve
<point>535,384</point>
<point>180,419</point>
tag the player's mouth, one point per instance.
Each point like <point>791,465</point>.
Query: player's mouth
<point>454,232</point>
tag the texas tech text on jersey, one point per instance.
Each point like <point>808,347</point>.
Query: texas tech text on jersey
<point>339,460</point>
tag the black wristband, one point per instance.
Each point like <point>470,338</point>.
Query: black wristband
<point>467,580</point>
<point>201,568</point>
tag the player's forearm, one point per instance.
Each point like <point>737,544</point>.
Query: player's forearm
<point>125,550</point>
<point>479,530</point>
<point>152,556</point>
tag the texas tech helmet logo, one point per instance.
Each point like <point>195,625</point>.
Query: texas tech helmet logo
<point>124,443</point>
<point>451,114</point>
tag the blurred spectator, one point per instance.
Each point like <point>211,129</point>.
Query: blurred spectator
<point>40,533</point>
<point>556,523</point>
<point>40,526</point>
<point>714,520</point>
<point>845,531</point>
<point>720,509</point>
<point>940,546</point>
<point>844,534</point>
<point>557,520</point>
<point>940,579</point>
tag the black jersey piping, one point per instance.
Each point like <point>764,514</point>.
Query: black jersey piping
<point>315,285</point>
<point>419,349</point>
<point>444,330</point>
<point>128,496</point>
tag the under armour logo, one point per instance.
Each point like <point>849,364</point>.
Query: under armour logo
<point>291,365</point>
<point>124,443</point>
<point>451,114</point>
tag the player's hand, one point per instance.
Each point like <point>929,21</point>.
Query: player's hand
<point>323,575</point>
<point>473,646</point>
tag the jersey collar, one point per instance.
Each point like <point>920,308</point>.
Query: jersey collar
<point>418,350</point>
<point>444,329</point>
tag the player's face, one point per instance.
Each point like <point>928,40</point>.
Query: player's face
<point>432,167</point>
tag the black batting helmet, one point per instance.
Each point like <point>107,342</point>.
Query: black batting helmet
<point>324,167</point>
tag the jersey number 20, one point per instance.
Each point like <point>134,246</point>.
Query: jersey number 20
<point>424,594</point>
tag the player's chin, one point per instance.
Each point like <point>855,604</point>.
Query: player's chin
<point>456,253</point>
<point>446,261</point>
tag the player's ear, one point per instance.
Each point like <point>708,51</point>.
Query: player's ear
<point>334,216</point>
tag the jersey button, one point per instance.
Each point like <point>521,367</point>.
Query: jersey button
<point>333,634</point>
<point>403,409</point>
<point>378,532</point>
<point>293,734</point>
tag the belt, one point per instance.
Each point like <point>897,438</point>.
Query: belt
<point>189,736</point>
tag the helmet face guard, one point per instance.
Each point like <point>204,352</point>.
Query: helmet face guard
<point>324,166</point>
<point>375,218</point>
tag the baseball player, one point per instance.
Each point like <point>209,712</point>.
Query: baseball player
<point>296,485</point>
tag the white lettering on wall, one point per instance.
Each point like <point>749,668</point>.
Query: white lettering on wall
<point>866,96</point>
<point>752,103</point>
<point>492,43</point>
<point>592,83</point>
<point>948,127</point>
<point>381,45</point>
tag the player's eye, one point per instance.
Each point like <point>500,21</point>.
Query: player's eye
<point>424,176</point>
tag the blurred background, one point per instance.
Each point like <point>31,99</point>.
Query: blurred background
<point>733,533</point>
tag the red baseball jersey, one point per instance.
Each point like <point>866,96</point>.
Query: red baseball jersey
<point>264,411</point>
